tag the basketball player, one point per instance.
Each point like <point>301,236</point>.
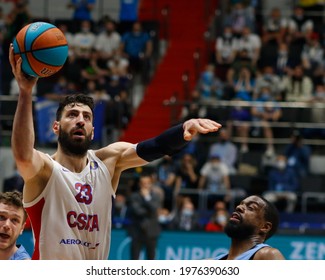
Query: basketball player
<point>68,195</point>
<point>253,222</point>
<point>12,223</point>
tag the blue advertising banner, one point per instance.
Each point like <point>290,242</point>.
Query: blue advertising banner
<point>176,245</point>
<point>45,111</point>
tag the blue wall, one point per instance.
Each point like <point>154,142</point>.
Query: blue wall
<point>200,245</point>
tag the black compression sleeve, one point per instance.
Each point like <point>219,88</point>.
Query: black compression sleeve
<point>167,143</point>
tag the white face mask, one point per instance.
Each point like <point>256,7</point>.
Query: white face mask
<point>187,212</point>
<point>221,219</point>
<point>162,219</point>
<point>281,164</point>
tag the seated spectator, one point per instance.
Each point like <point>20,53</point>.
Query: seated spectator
<point>118,66</point>
<point>226,149</point>
<point>187,175</point>
<point>263,114</point>
<point>298,154</point>
<point>312,55</point>
<point>68,35</point>
<point>243,60</point>
<point>317,113</point>
<point>92,70</point>
<point>209,85</point>
<point>240,117</point>
<point>108,42</point>
<point>84,42</point>
<point>238,18</point>
<point>252,43</point>
<point>225,50</point>
<point>219,217</point>
<point>283,184</point>
<point>300,27</point>
<point>270,79</point>
<point>274,28</point>
<point>119,112</point>
<point>284,61</point>
<point>244,85</point>
<point>137,47</point>
<point>61,87</point>
<point>297,86</point>
<point>214,177</point>
<point>186,217</point>
<point>164,218</point>
<point>193,107</point>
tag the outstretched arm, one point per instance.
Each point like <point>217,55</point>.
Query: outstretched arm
<point>174,139</point>
<point>169,142</point>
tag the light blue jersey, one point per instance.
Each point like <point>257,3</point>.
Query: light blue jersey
<point>248,255</point>
<point>21,254</point>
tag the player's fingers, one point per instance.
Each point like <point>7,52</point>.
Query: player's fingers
<point>207,125</point>
<point>188,135</point>
<point>11,57</point>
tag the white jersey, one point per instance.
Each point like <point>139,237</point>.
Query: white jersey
<point>71,219</point>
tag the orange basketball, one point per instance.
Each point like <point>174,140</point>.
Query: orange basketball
<point>42,47</point>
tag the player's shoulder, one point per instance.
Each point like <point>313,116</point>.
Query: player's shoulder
<point>114,149</point>
<point>268,253</point>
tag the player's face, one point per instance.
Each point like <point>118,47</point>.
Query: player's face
<point>11,225</point>
<point>247,219</point>
<point>76,129</point>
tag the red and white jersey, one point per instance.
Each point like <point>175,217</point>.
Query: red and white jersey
<point>71,219</point>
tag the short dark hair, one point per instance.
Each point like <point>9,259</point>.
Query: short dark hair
<point>271,215</point>
<point>74,99</point>
<point>14,198</point>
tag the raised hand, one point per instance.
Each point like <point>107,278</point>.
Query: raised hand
<point>25,82</point>
<point>195,126</point>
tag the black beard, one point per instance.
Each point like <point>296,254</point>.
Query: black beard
<point>70,147</point>
<point>239,230</point>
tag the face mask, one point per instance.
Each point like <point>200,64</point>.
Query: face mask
<point>227,35</point>
<point>215,165</point>
<point>265,96</point>
<point>281,164</point>
<point>162,219</point>
<point>119,205</point>
<point>221,219</point>
<point>187,212</point>
<point>85,29</point>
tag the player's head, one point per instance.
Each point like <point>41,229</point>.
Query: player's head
<point>12,218</point>
<point>254,216</point>
<point>74,124</point>
<point>73,100</point>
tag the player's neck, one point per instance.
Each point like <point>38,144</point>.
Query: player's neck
<point>71,162</point>
<point>240,246</point>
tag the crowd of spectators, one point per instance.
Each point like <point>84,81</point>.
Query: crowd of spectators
<point>105,58</point>
<point>269,60</point>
